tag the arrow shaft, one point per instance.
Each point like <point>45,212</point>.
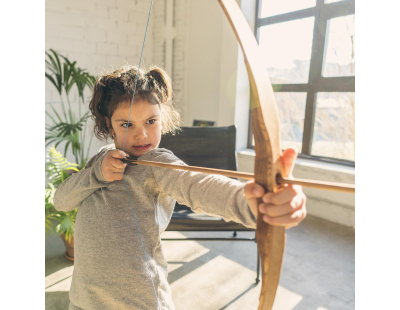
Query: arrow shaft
<point>348,188</point>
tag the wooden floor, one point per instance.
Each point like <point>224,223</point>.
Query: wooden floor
<point>318,271</point>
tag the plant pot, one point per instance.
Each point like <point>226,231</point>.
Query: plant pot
<point>69,254</point>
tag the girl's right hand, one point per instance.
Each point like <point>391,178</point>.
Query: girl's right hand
<point>112,166</point>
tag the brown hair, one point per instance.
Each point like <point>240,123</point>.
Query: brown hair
<point>116,87</point>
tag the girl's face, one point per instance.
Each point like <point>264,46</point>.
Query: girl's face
<point>144,129</point>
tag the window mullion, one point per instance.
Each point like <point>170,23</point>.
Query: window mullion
<point>257,35</point>
<point>315,74</point>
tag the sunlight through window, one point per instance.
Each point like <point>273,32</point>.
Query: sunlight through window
<point>334,127</point>
<point>291,108</point>
<point>287,50</point>
<point>340,51</point>
<point>273,7</point>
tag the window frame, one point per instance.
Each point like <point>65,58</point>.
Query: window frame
<point>316,82</point>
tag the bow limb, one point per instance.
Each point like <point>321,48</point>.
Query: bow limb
<point>265,127</point>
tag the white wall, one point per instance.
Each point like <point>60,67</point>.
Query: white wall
<point>203,61</point>
<point>211,65</point>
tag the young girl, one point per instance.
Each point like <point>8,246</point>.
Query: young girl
<point>117,265</point>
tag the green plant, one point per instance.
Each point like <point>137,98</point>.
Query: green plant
<point>58,169</point>
<point>67,126</point>
<point>49,209</point>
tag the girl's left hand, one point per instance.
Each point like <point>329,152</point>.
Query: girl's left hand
<point>286,207</point>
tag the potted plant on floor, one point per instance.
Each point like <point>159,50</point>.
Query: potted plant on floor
<point>66,129</point>
<point>63,223</point>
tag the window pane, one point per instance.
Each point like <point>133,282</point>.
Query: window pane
<point>291,110</point>
<point>287,49</point>
<point>274,7</point>
<point>334,127</point>
<point>340,51</point>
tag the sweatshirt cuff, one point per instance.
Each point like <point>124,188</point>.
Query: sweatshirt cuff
<point>247,217</point>
<point>253,218</point>
<point>97,171</point>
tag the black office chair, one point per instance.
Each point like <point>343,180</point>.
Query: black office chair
<point>210,147</point>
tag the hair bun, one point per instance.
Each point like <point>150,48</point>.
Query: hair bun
<point>162,79</point>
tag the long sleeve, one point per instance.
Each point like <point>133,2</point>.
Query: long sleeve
<point>75,189</point>
<point>212,194</point>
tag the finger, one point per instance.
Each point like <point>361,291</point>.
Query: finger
<point>253,190</point>
<point>288,159</point>
<point>117,164</point>
<point>286,220</point>
<point>284,195</point>
<point>117,154</point>
<point>291,225</point>
<point>285,209</point>
<point>114,176</point>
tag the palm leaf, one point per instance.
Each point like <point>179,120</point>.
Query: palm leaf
<point>75,143</point>
<point>51,79</point>
<point>66,147</point>
<point>66,224</point>
<point>51,117</point>
<point>55,112</point>
<point>57,67</point>
<point>53,65</point>
<point>64,129</point>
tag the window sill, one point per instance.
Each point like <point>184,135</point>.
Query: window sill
<point>331,205</point>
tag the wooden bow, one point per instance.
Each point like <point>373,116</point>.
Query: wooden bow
<point>265,126</point>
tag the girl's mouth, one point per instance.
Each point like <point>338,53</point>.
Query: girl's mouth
<point>142,147</point>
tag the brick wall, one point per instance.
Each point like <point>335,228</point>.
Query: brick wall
<point>169,18</point>
<point>99,35</point>
<point>179,51</point>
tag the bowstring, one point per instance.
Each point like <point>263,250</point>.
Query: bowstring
<point>123,148</point>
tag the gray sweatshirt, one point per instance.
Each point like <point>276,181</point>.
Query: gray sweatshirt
<point>110,267</point>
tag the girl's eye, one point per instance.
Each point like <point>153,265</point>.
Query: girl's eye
<point>151,121</point>
<point>126,125</point>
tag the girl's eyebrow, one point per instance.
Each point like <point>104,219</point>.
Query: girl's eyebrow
<point>125,120</point>
<point>155,115</point>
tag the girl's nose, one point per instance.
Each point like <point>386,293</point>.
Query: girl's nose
<point>140,133</point>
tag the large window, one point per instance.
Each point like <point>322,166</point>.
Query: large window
<point>309,46</point>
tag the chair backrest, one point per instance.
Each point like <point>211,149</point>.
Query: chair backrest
<point>211,147</point>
